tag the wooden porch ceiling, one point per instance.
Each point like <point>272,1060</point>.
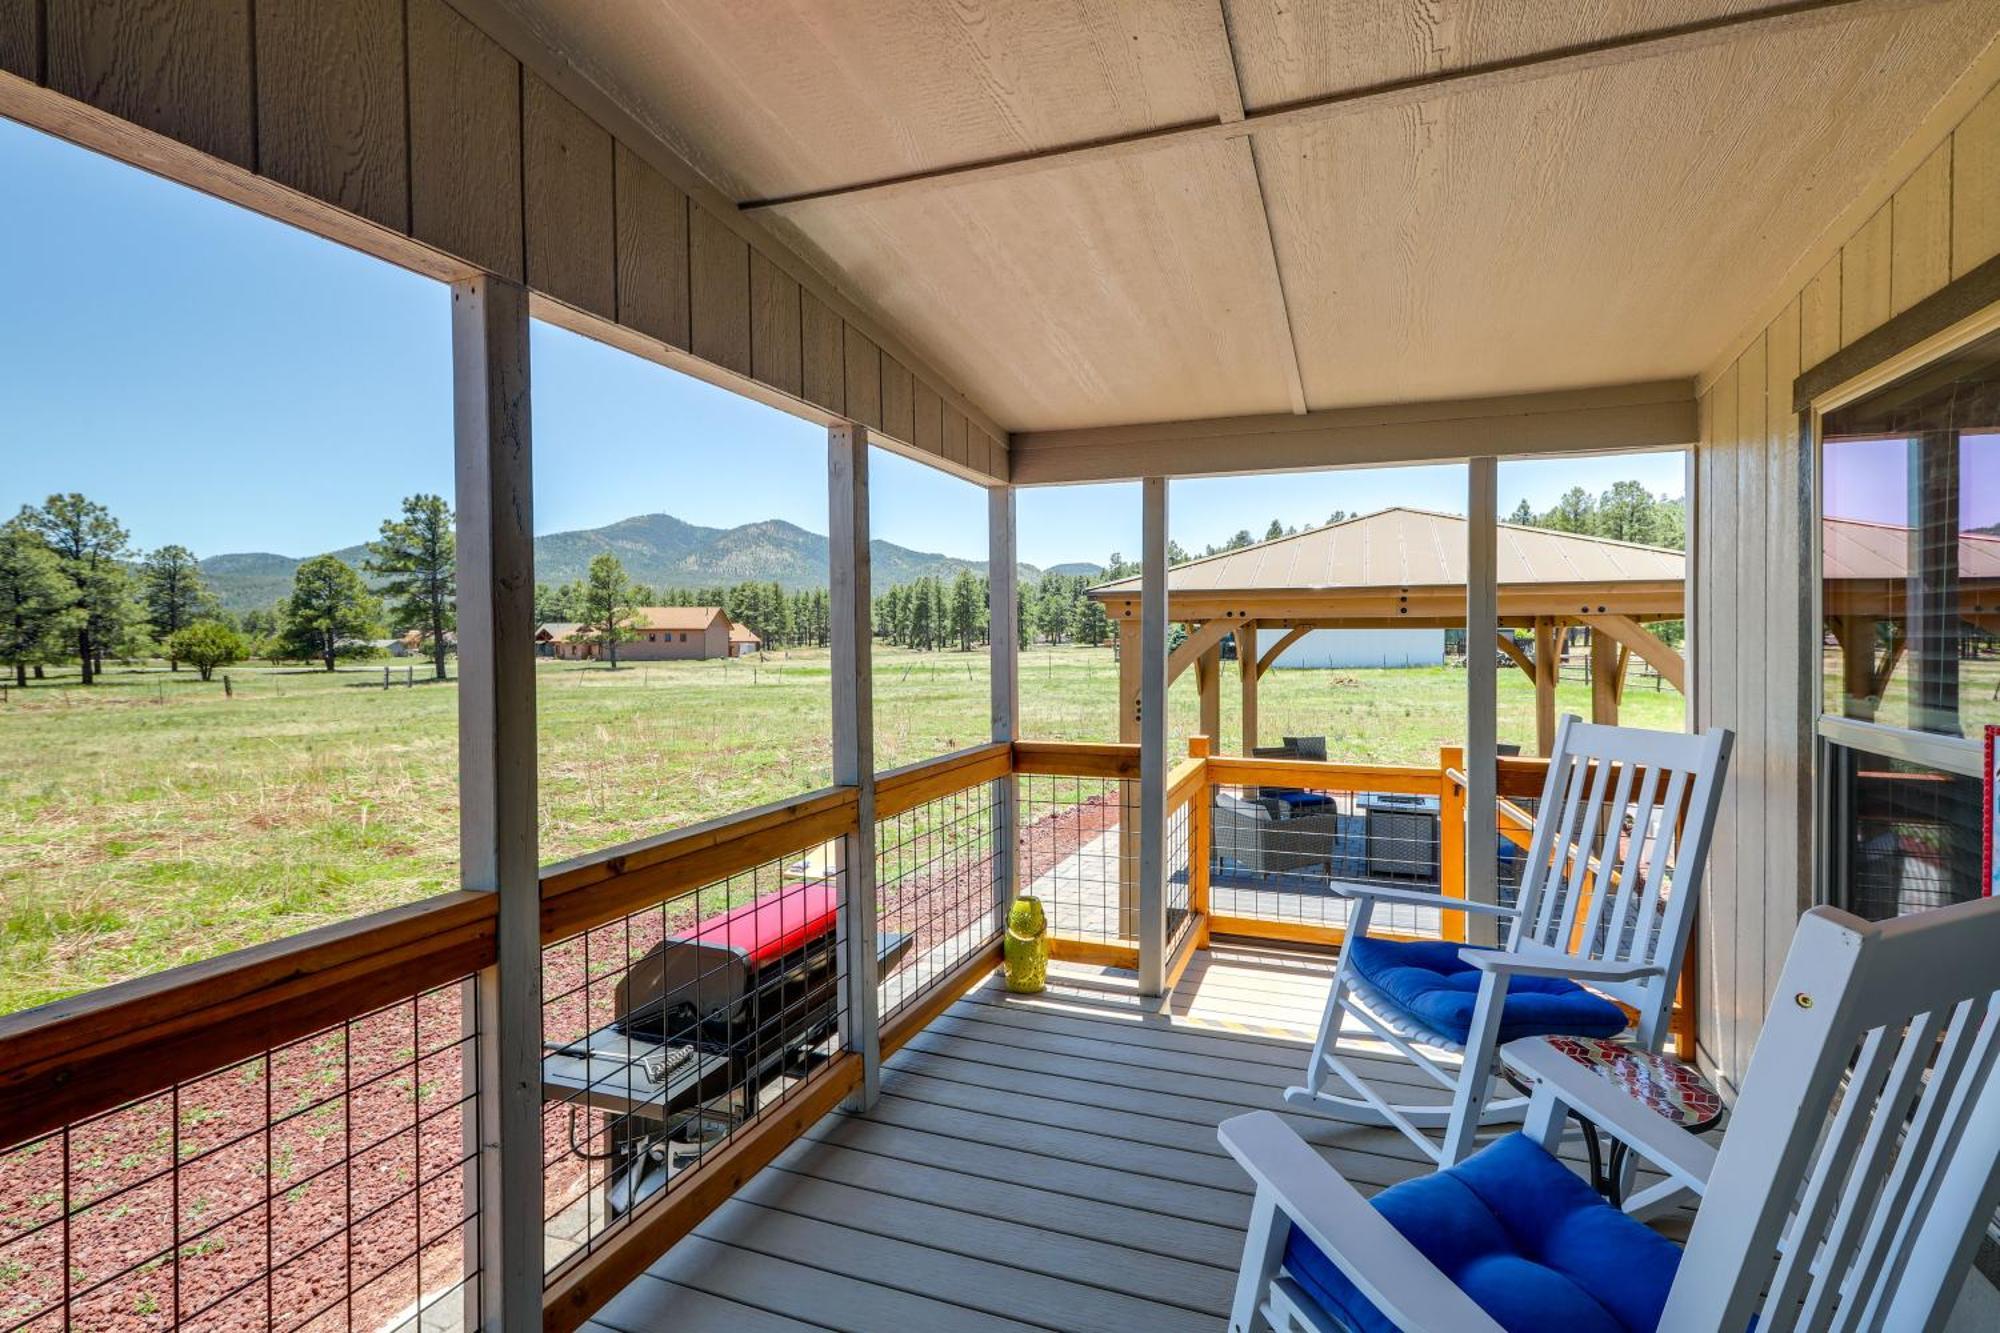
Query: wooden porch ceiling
<point>1094,213</point>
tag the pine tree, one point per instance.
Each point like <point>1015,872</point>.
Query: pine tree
<point>90,546</point>
<point>35,600</point>
<point>329,603</point>
<point>174,595</point>
<point>417,560</point>
<point>607,606</point>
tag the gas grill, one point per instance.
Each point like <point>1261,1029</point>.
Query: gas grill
<point>701,1024</point>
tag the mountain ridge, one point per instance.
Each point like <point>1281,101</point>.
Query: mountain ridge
<point>656,549</point>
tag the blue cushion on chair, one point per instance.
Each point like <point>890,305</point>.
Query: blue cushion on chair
<point>1524,1237</point>
<point>1436,989</point>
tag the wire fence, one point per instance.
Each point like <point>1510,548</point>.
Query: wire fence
<point>935,867</point>
<point>671,1030</point>
<point>1179,872</point>
<point>1074,857</point>
<point>328,1183</point>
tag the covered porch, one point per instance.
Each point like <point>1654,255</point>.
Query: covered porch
<point>1026,246</point>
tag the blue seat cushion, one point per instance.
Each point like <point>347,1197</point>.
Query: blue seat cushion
<point>1436,989</point>
<point>1524,1237</point>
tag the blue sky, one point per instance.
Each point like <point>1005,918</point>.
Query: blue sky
<point>227,382</point>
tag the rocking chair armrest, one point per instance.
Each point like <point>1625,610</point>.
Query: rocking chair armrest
<point>1414,898</point>
<point>1682,1156</point>
<point>1390,1272</point>
<point>1559,965</point>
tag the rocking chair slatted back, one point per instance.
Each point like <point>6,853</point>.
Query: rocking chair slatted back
<point>1615,863</point>
<point>1869,1221</point>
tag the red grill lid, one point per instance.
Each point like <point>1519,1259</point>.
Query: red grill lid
<point>772,926</point>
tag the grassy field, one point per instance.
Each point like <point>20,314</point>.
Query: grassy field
<point>151,820</point>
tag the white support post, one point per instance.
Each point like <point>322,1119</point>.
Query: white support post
<point>496,760</point>
<point>1153,739</point>
<point>1004,654</point>
<point>852,635</point>
<point>1482,628</point>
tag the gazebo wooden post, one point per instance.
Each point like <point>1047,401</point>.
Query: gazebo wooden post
<point>1208,683</point>
<point>1546,670</point>
<point>1246,667</point>
<point>1604,664</point>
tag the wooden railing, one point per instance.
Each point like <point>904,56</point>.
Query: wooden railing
<point>64,1063</point>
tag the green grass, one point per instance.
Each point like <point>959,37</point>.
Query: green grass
<point>150,821</point>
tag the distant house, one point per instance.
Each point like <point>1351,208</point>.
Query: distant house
<point>658,634</point>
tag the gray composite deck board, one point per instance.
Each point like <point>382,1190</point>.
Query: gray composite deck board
<point>1034,1162</point>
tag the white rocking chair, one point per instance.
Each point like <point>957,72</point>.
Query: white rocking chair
<point>1860,1168</point>
<point>1611,832</point>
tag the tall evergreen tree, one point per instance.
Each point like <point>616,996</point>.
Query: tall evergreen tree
<point>174,595</point>
<point>416,557</point>
<point>90,546</point>
<point>329,603</point>
<point>36,599</point>
<point>607,605</point>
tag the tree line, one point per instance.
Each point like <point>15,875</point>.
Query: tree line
<point>74,590</point>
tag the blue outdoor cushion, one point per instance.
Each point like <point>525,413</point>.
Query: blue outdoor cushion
<point>1436,989</point>
<point>1524,1237</point>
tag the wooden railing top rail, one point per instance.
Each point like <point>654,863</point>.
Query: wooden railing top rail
<point>1321,775</point>
<point>590,891</point>
<point>1076,759</point>
<point>906,788</point>
<point>90,1053</point>
<point>1186,782</point>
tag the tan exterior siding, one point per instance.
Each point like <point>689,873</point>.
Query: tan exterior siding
<point>1752,505</point>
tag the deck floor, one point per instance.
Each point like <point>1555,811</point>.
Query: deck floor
<point>1034,1162</point>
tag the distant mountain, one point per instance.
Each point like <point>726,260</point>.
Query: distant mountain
<point>656,549</point>
<point>1076,568</point>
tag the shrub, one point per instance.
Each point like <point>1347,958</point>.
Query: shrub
<point>206,645</point>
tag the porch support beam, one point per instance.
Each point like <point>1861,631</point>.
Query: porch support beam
<point>1556,62</point>
<point>1004,659</point>
<point>1208,685</point>
<point>1649,646</point>
<point>1604,664</point>
<point>1482,680</point>
<point>1153,740</point>
<point>1547,669</point>
<point>1203,637</point>
<point>851,629</point>
<point>1515,655</point>
<point>1246,668</point>
<point>1653,414</point>
<point>497,761</point>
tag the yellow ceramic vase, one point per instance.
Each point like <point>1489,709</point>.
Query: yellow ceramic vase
<point>1027,946</point>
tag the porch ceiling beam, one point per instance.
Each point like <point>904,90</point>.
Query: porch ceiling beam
<point>1652,414</point>
<point>1573,59</point>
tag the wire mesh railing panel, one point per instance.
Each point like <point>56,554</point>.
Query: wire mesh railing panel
<point>1179,872</point>
<point>1074,857</point>
<point>669,1031</point>
<point>329,1183</point>
<point>935,868</point>
<point>1278,853</point>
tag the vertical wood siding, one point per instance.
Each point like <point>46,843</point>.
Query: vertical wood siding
<point>1754,670</point>
<point>395,121</point>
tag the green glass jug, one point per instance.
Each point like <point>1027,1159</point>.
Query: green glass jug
<point>1027,946</point>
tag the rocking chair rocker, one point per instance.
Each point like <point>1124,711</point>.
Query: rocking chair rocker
<point>1607,897</point>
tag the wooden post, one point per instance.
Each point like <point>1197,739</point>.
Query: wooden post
<point>1201,833</point>
<point>1246,667</point>
<point>1547,668</point>
<point>1603,677</point>
<point>1208,683</point>
<point>1128,794</point>
<point>497,757</point>
<point>1451,838</point>
<point>1152,930</point>
<point>1482,681</point>
<point>852,636</point>
<point>1004,655</point>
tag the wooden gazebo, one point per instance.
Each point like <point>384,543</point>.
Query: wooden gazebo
<point>1403,568</point>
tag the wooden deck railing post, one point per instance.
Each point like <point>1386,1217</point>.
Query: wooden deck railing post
<point>1201,834</point>
<point>1152,829</point>
<point>497,757</point>
<point>1004,654</point>
<point>852,633</point>
<point>1481,861</point>
<point>1451,837</point>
